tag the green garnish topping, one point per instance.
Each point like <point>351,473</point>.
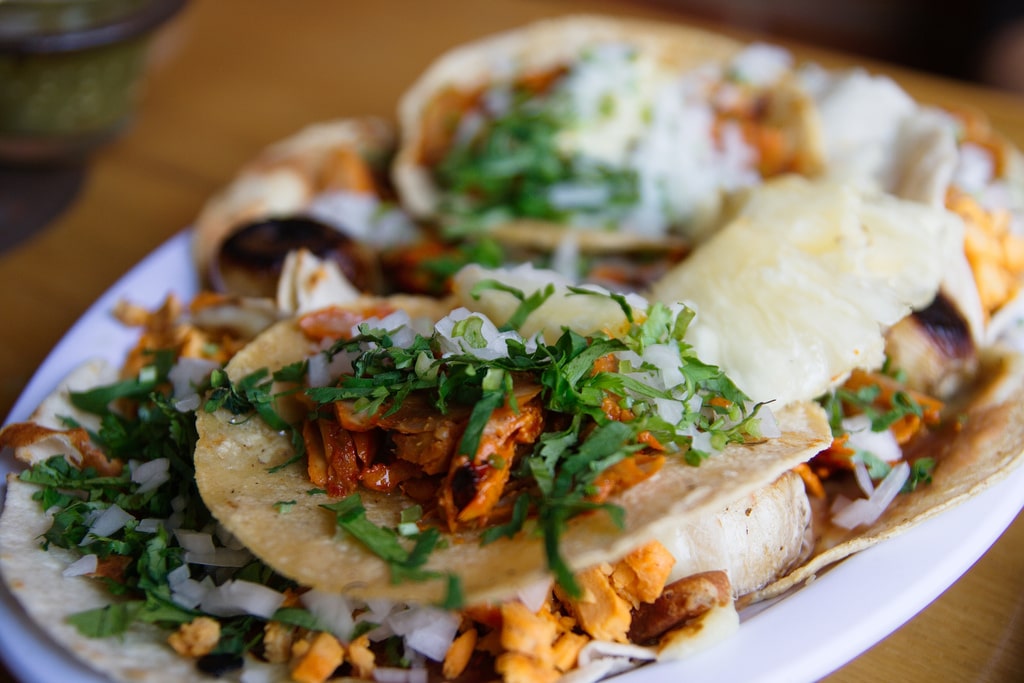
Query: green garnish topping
<point>559,476</point>
<point>152,428</point>
<point>920,473</point>
<point>404,562</point>
<point>863,400</point>
<point>507,169</point>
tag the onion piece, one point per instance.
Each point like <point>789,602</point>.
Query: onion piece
<point>316,370</point>
<point>769,426</point>
<point>149,525</point>
<point>332,611</point>
<point>190,593</point>
<point>600,659</point>
<point>198,542</point>
<point>84,565</point>
<point>427,630</point>
<point>152,474</point>
<point>535,595</point>
<point>108,522</point>
<point>867,510</point>
<point>189,373</point>
<point>235,598</point>
<point>882,445</point>
<point>189,403</point>
<point>598,649</point>
<point>178,576</point>
<point>860,473</point>
<point>391,674</point>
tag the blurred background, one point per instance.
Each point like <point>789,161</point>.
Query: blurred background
<point>979,40</point>
<point>103,55</point>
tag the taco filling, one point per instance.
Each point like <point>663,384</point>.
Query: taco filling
<point>609,141</point>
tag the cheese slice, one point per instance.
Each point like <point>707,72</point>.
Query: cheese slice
<point>798,289</point>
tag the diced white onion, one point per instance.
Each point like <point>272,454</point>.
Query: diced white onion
<point>152,474</point>
<point>107,523</point>
<point>316,370</point>
<point>600,659</point>
<point>535,595</point>
<point>189,593</point>
<point>175,520</point>
<point>566,259</point>
<point>364,217</point>
<point>867,510</point>
<point>189,373</point>
<point>669,409</point>
<point>234,598</point>
<point>331,610</point>
<point>569,196</point>
<point>178,576</point>
<point>189,403</point>
<point>178,504</point>
<point>198,542</point>
<point>975,168</point>
<point>226,538</point>
<point>259,673</point>
<point>149,525</point>
<point>882,445</point>
<point>665,357</point>
<point>427,630</point>
<point>701,441</point>
<point>495,341</point>
<point>392,321</point>
<point>390,674</point>
<point>860,473</point>
<point>84,565</point>
<point>761,64</point>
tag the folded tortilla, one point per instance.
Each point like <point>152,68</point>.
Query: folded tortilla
<point>431,120</point>
<point>233,462</point>
<point>283,179</point>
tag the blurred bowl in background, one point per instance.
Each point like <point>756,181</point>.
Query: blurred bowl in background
<point>70,73</point>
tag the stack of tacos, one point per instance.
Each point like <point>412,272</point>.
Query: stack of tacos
<point>626,326</point>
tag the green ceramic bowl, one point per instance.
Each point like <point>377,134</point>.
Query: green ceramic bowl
<point>70,72</point>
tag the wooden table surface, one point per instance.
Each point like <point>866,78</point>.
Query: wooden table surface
<point>230,76</point>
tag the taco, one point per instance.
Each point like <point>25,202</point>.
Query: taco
<point>632,131</point>
<point>323,189</point>
<point>232,462</point>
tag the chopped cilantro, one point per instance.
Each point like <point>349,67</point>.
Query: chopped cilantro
<point>507,169</point>
<point>559,476</point>
<point>405,563</point>
<point>920,473</point>
<point>151,428</point>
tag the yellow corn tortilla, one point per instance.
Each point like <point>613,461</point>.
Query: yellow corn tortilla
<point>987,448</point>
<point>233,460</point>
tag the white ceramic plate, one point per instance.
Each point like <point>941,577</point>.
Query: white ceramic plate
<point>801,637</point>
